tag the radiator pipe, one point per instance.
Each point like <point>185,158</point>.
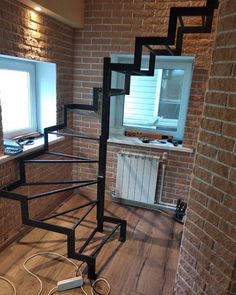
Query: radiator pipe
<point>160,202</point>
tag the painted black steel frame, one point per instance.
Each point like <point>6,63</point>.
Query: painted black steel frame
<point>174,36</point>
<point>6,192</point>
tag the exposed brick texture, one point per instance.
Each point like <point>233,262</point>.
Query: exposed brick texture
<point>1,136</point>
<point>208,248</point>
<point>24,33</point>
<point>207,259</point>
<point>111,27</point>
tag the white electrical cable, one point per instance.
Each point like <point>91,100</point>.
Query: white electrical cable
<point>36,277</point>
<point>100,280</point>
<point>52,291</point>
<point>10,283</point>
<point>85,293</point>
<point>78,270</point>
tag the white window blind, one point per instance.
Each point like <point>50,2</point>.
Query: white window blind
<point>140,105</point>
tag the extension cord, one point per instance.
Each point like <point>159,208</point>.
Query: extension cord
<point>70,283</point>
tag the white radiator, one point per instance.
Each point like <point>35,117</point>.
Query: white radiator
<point>137,176</point>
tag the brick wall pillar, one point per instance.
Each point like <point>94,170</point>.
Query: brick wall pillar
<point>207,258</point>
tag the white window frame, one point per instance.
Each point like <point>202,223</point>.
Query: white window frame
<point>163,62</point>
<point>43,85</point>
<point>16,65</point>
<point>158,92</point>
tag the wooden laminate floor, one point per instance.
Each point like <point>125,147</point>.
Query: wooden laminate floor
<point>144,265</point>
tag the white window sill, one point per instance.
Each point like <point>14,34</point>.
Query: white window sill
<point>38,144</point>
<point>134,141</point>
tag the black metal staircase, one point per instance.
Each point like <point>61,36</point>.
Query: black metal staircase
<point>174,37</point>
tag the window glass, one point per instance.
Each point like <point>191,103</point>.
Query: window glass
<point>27,95</point>
<point>156,104</point>
<point>15,100</point>
<point>139,106</point>
<point>170,94</point>
<point>171,90</point>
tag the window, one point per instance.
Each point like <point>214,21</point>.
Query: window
<point>27,93</point>
<point>156,104</point>
<point>17,92</point>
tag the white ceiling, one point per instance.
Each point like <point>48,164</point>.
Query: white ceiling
<point>70,12</point>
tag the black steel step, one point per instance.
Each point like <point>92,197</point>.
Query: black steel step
<point>37,196</point>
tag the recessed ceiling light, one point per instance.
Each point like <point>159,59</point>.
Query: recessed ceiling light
<point>37,8</point>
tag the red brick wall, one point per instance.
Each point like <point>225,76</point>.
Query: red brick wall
<point>111,27</point>
<point>207,258</point>
<point>1,135</point>
<point>24,33</point>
